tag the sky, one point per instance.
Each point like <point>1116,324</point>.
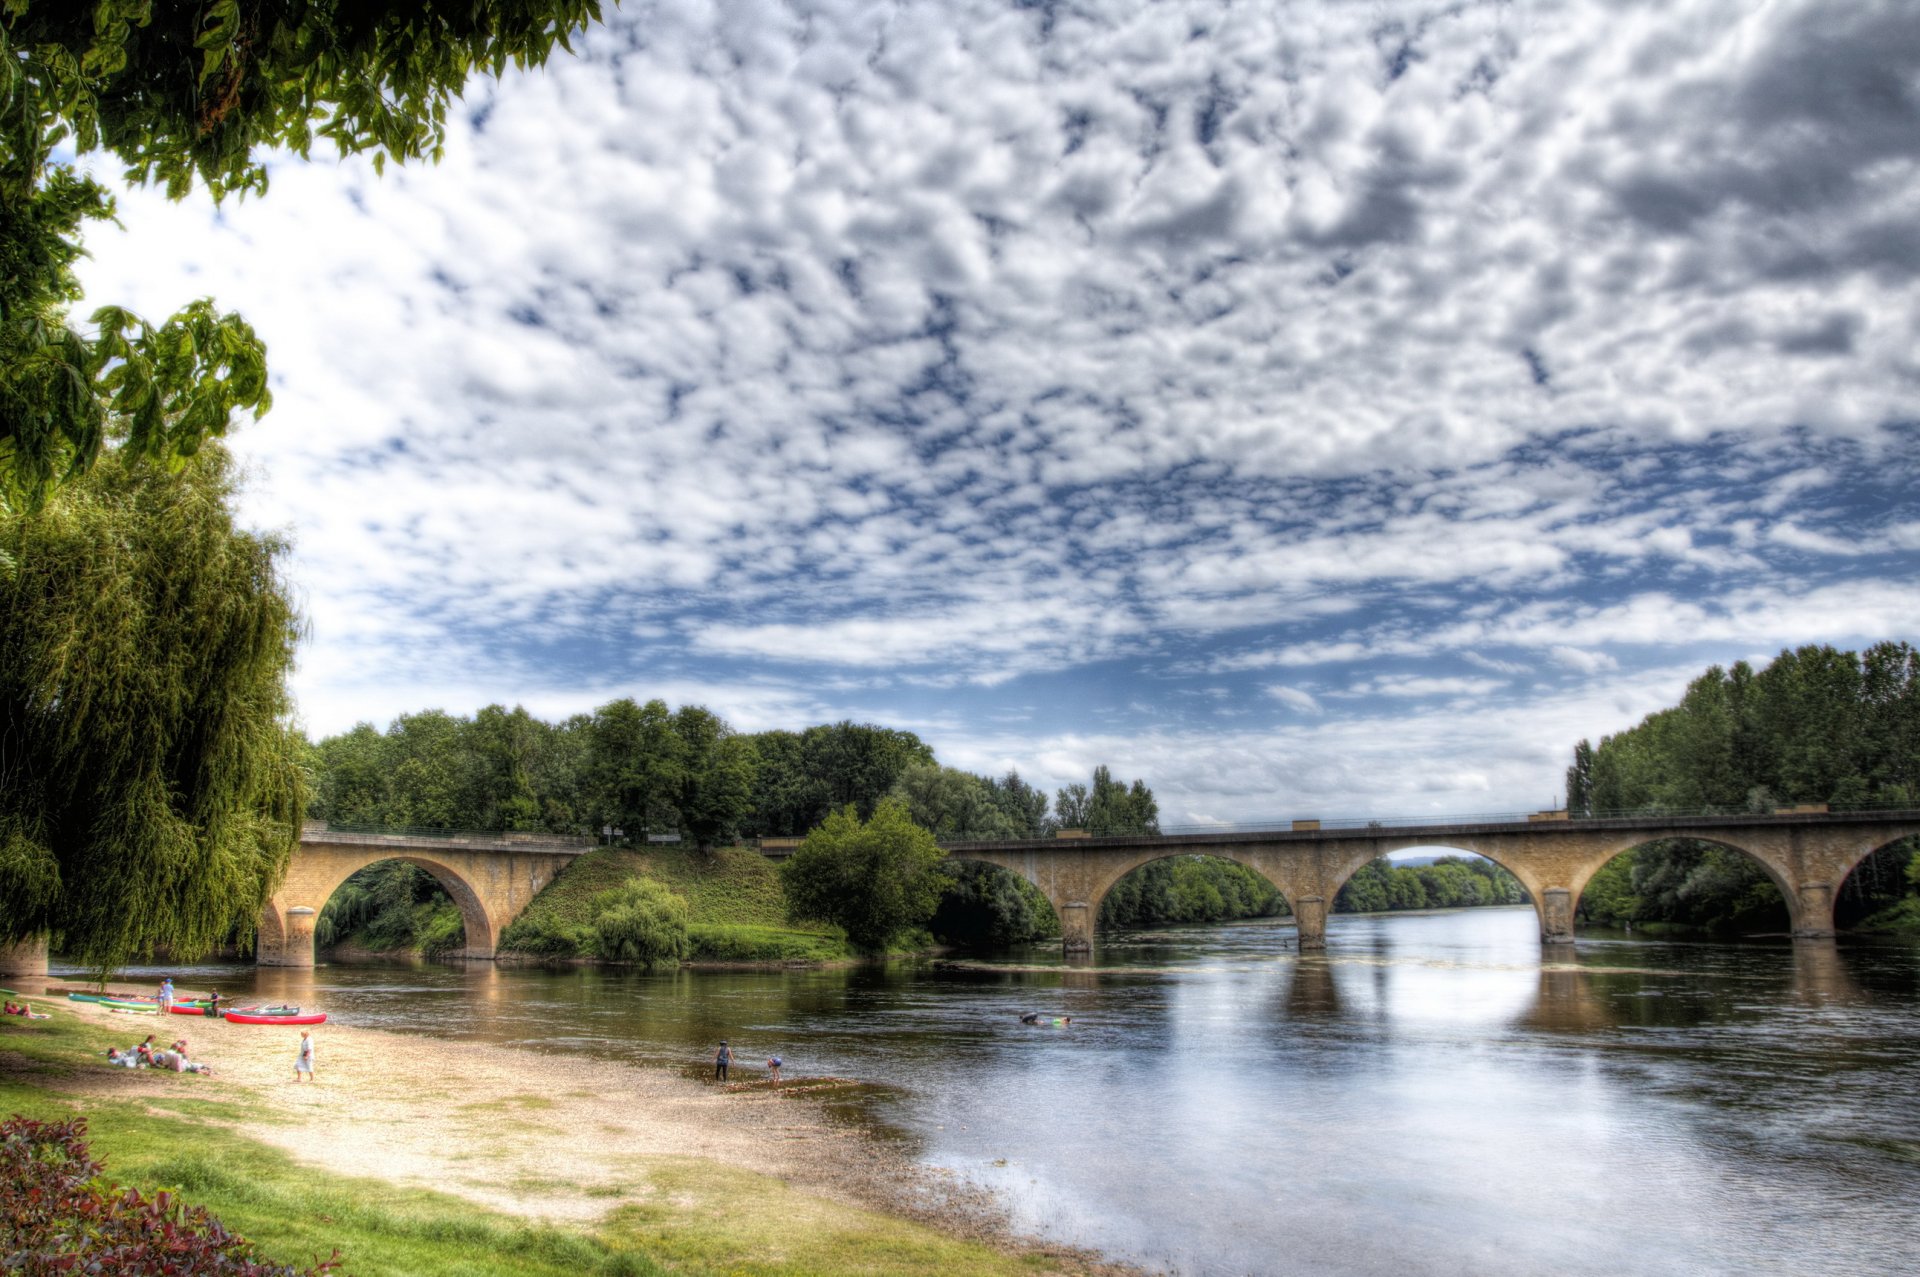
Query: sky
<point>1315,409</point>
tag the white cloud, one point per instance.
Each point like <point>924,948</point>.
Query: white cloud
<point>1294,697</point>
<point>910,347</point>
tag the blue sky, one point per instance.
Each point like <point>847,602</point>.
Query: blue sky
<point>1332,408</point>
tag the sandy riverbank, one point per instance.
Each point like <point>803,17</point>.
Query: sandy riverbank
<point>552,1137</point>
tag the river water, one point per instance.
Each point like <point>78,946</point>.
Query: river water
<point>1433,1095</point>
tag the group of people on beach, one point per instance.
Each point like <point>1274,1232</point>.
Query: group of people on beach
<point>723,1060</point>
<point>147,1055</point>
<point>24,1008</point>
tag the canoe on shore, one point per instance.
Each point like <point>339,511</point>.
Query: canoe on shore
<point>242,1017</point>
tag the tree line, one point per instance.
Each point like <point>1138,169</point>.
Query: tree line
<point>1816,725</point>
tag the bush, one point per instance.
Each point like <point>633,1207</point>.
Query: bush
<point>875,878</point>
<point>547,936</point>
<point>58,1215</point>
<point>641,921</point>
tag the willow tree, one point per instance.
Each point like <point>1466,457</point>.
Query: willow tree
<point>150,786</point>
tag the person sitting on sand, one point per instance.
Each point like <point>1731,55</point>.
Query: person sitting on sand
<point>144,1052</point>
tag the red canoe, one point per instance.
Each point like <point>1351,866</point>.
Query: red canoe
<point>177,1009</point>
<point>236,1017</point>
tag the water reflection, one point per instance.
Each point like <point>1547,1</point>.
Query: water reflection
<point>1433,1093</point>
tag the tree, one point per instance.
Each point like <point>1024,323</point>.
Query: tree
<point>1025,806</point>
<point>715,791</point>
<point>1108,808</point>
<point>183,93</point>
<point>151,789</point>
<point>640,921</point>
<point>951,803</point>
<point>873,878</point>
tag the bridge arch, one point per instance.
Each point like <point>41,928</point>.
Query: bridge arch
<point>1533,890</point>
<point>490,879</point>
<point>953,918</point>
<point>1777,873</point>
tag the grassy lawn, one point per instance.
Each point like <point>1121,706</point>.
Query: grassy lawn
<point>734,901</point>
<point>680,1215</point>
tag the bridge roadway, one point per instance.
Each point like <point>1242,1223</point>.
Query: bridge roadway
<point>492,877</point>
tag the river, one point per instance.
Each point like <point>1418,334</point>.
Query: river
<point>1433,1095</point>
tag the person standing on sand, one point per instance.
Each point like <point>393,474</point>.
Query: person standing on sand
<point>166,994</point>
<point>721,1059</point>
<point>773,1067</point>
<point>303,1062</point>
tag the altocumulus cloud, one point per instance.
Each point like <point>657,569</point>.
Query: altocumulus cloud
<point>1488,368</point>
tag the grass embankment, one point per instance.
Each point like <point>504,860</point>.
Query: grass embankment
<point>737,911</point>
<point>156,1130</point>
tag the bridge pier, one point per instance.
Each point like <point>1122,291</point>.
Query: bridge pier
<point>1556,915</point>
<point>1076,926</point>
<point>1813,920</point>
<point>29,957</point>
<point>1310,921</point>
<point>286,937</point>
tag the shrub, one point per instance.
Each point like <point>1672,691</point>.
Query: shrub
<point>57,1215</point>
<point>547,935</point>
<point>874,877</point>
<point>641,921</point>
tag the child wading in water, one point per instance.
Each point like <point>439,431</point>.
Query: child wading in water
<point>303,1062</point>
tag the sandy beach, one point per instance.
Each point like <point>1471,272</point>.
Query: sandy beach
<point>554,1138</point>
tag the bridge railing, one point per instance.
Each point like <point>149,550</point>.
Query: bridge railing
<point>1743,811</point>
<point>485,837</point>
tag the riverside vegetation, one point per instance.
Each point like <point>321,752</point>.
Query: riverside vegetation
<point>1816,725</point>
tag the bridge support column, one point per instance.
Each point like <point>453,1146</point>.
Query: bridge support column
<point>292,945</point>
<point>1076,926</point>
<point>1813,920</point>
<point>1556,916</point>
<point>29,957</point>
<point>1310,920</point>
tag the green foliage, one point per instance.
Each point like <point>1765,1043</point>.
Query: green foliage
<point>729,888</point>
<point>805,776</point>
<point>640,921</point>
<point>1451,882</point>
<point>649,769</point>
<point>988,906</point>
<point>392,905</point>
<point>1108,808</point>
<point>501,770</point>
<point>1188,889</point>
<point>874,878</point>
<point>721,942</point>
<point>950,803</point>
<point>150,788</point>
<point>180,92</point>
<point>1817,725</point>
<point>61,1216</point>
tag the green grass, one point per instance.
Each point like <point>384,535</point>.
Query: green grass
<point>719,942</point>
<point>683,1215</point>
<point>735,905</point>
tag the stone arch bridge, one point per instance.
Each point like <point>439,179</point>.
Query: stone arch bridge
<point>1807,854</point>
<point>491,877</point>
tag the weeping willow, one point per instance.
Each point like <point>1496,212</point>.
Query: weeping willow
<point>150,782</point>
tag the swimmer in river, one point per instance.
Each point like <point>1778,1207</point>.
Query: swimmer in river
<point>1031,1017</point>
